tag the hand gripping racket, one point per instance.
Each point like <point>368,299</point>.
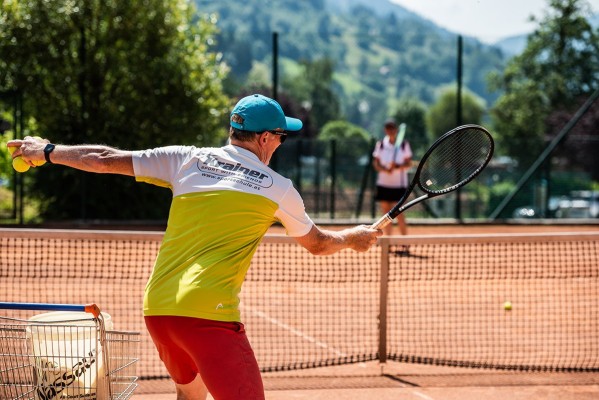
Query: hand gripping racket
<point>455,159</point>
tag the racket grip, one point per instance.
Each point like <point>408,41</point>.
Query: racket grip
<point>383,222</point>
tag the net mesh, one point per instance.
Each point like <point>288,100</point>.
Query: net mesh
<point>443,302</point>
<point>525,306</point>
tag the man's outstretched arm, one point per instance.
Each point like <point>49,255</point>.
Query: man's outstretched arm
<point>91,158</point>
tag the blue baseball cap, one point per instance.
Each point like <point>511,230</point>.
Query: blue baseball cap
<point>257,113</point>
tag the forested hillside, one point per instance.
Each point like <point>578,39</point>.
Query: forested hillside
<point>380,51</point>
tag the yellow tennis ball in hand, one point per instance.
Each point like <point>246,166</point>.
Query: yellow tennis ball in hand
<point>19,165</point>
<point>41,162</point>
<point>12,149</point>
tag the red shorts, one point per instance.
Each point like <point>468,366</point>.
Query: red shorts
<point>219,351</point>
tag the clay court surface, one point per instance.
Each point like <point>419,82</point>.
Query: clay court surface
<point>393,380</point>
<point>397,381</point>
<point>400,381</point>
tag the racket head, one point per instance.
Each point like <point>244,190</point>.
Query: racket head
<point>455,159</point>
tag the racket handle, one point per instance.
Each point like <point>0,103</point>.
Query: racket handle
<point>383,222</point>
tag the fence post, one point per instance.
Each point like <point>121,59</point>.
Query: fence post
<point>317,184</point>
<point>365,178</point>
<point>298,164</point>
<point>333,168</point>
<point>383,298</point>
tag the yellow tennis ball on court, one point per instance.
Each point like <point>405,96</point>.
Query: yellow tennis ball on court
<point>19,165</point>
<point>507,306</point>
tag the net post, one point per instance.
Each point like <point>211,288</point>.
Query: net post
<point>383,298</point>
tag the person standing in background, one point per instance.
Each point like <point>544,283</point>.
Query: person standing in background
<point>392,158</point>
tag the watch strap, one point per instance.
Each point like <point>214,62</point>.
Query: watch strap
<point>47,150</point>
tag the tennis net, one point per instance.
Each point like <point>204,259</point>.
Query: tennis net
<point>518,302</point>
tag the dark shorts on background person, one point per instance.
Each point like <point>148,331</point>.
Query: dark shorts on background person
<point>389,194</point>
<point>219,351</point>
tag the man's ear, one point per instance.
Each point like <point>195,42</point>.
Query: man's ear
<point>263,137</point>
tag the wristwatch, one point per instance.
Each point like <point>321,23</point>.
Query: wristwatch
<point>47,150</point>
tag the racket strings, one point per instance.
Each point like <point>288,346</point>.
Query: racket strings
<point>456,160</point>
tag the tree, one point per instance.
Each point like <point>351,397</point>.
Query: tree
<point>129,74</point>
<point>412,112</point>
<point>441,116</point>
<point>581,141</point>
<point>313,88</point>
<point>351,141</point>
<point>558,69</point>
<point>342,130</point>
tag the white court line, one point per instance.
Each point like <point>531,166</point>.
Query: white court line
<point>296,332</point>
<point>423,396</point>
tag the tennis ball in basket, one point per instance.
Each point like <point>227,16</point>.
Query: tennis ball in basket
<point>507,306</point>
<point>19,165</point>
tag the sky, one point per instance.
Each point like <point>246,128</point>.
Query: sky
<point>487,20</point>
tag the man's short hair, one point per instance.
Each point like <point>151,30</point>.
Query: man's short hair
<point>390,123</point>
<point>242,136</point>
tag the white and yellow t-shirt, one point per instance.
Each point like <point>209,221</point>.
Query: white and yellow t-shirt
<point>224,201</point>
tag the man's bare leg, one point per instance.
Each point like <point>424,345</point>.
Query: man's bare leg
<point>195,390</point>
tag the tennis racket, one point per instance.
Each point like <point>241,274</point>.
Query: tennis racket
<point>455,159</point>
<point>401,135</point>
<point>398,141</point>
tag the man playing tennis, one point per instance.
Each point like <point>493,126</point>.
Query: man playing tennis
<point>224,201</point>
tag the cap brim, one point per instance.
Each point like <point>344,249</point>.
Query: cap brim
<point>293,124</point>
